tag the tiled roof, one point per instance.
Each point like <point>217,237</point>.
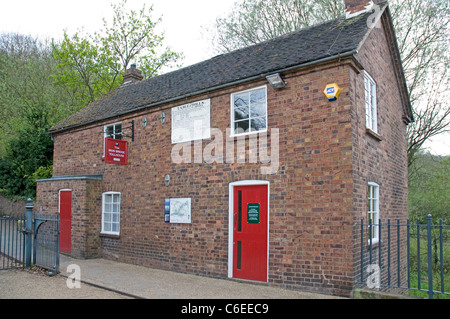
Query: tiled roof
<point>297,48</point>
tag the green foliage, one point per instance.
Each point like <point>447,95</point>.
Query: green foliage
<point>83,69</point>
<point>90,65</point>
<point>429,188</point>
<point>23,163</point>
<point>43,82</point>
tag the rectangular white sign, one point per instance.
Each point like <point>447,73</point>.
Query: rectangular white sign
<point>180,210</point>
<point>191,122</point>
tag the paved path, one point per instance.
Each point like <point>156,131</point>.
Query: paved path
<point>151,283</point>
<point>105,279</point>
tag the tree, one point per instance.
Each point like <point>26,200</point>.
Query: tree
<point>29,98</point>
<point>255,21</point>
<point>429,182</point>
<point>423,38</point>
<point>30,104</point>
<point>92,65</point>
<point>83,69</point>
<point>132,37</point>
<point>422,28</point>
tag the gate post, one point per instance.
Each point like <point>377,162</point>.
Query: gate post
<point>28,232</point>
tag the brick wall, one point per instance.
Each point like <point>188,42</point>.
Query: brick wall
<point>86,203</point>
<point>380,158</point>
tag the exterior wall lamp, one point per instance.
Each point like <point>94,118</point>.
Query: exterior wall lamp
<point>276,81</point>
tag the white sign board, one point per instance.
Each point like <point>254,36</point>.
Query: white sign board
<point>191,122</point>
<point>180,210</point>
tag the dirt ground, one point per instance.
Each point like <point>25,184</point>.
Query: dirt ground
<point>36,284</point>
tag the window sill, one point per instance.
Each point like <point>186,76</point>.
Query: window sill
<point>105,235</point>
<point>232,135</point>
<point>375,244</point>
<point>373,134</point>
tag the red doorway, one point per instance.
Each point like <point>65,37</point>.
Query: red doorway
<point>250,232</point>
<point>65,215</point>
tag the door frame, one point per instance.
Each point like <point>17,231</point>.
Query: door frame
<point>71,211</point>
<point>231,220</point>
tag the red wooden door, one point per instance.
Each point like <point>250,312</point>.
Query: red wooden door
<point>65,215</point>
<point>250,232</point>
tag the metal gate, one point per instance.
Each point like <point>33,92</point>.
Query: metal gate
<point>34,238</point>
<point>46,242</point>
<point>12,243</point>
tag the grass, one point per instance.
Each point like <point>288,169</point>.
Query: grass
<point>414,283</point>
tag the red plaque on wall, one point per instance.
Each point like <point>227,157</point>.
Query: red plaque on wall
<point>116,151</point>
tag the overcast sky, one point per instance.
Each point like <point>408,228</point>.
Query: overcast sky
<point>183,22</point>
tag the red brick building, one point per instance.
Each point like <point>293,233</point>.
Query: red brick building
<point>212,170</point>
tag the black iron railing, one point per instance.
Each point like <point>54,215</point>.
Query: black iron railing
<point>405,256</point>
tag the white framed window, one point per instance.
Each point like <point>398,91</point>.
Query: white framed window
<point>111,213</point>
<point>249,111</point>
<point>114,131</point>
<point>373,211</point>
<point>370,89</point>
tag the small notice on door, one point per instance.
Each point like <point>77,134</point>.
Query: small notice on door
<point>253,213</point>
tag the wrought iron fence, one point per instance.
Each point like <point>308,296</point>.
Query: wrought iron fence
<point>12,242</point>
<point>404,257</point>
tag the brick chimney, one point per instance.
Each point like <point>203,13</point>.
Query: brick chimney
<point>132,75</point>
<point>354,8</point>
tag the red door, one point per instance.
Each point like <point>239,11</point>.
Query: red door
<point>250,232</point>
<point>65,215</point>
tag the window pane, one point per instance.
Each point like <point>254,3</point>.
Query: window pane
<point>116,198</point>
<point>258,124</point>
<point>109,131</point>
<point>241,100</point>
<point>107,227</point>
<point>258,96</point>
<point>241,127</point>
<point>258,109</point>
<point>241,113</point>
<point>118,131</point>
<point>115,218</point>
<point>108,208</point>
<point>115,228</point>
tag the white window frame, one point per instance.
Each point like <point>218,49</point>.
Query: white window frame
<point>104,212</point>
<point>233,133</point>
<point>114,134</point>
<point>373,211</point>
<point>105,135</point>
<point>370,94</point>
